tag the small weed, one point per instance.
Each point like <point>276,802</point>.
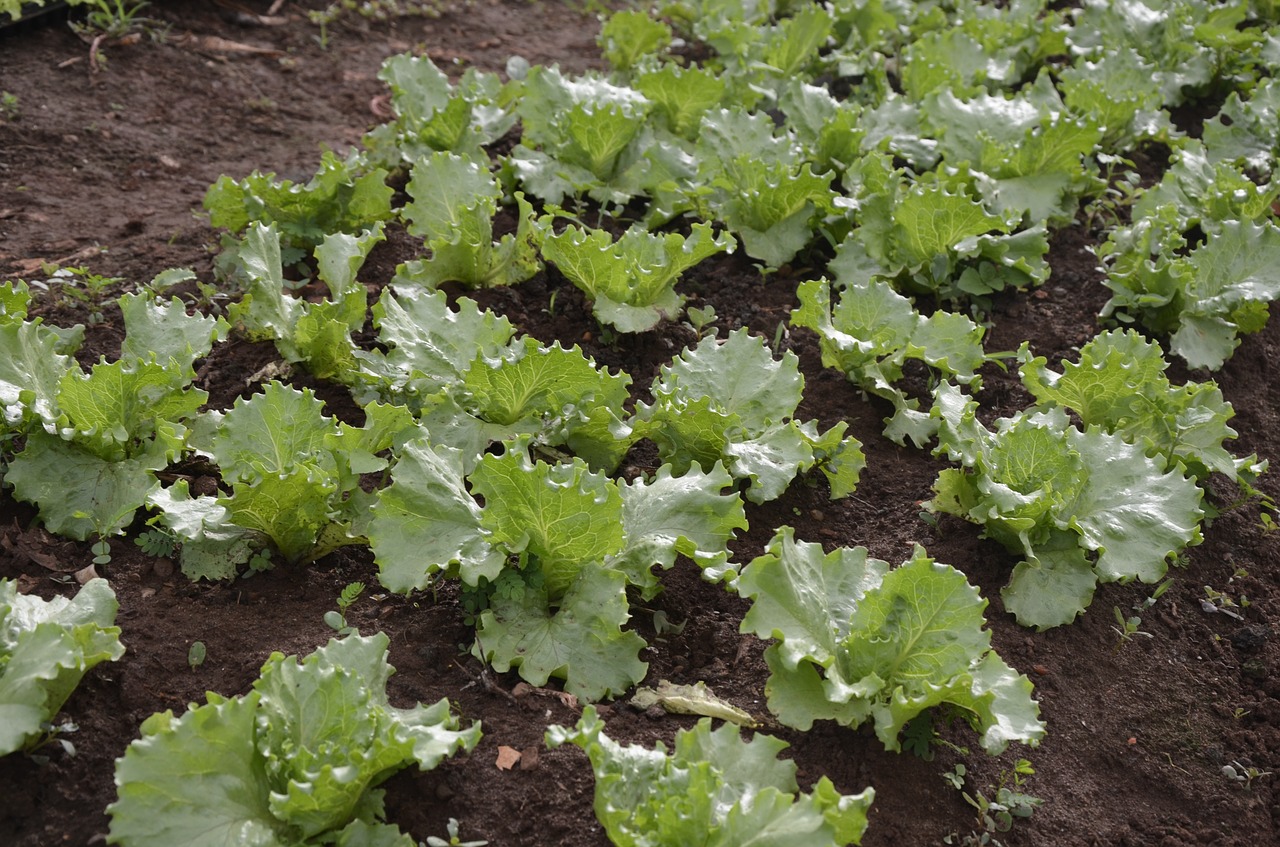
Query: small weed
<point>9,110</point>
<point>1243,775</point>
<point>51,733</point>
<point>377,10</point>
<point>454,840</point>
<point>101,552</point>
<point>701,319</point>
<point>1128,628</point>
<point>79,286</point>
<point>158,542</point>
<point>115,18</point>
<point>196,654</point>
<point>338,620</point>
<point>996,813</point>
<point>261,561</point>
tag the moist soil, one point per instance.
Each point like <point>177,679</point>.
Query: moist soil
<point>106,169</point>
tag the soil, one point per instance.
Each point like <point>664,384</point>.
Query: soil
<point>106,169</point>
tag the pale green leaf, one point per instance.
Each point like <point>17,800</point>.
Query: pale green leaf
<point>165,334</point>
<point>565,515</point>
<point>690,515</point>
<point>804,598</point>
<point>426,522</point>
<point>581,641</point>
<point>80,494</point>
<point>46,648</point>
<point>1131,512</point>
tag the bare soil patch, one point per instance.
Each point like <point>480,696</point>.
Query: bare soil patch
<point>107,170</point>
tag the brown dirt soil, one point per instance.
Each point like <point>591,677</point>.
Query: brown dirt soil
<point>107,170</point>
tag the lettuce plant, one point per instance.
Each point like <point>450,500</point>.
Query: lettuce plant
<point>550,552</point>
<point>581,136</point>
<point>46,648</point>
<point>1205,299</point>
<point>730,401</point>
<point>712,789</point>
<point>294,479</point>
<point>631,281</point>
<point>431,115</point>
<point>317,334</point>
<point>296,761</point>
<point>454,201</point>
<point>857,641</point>
<point>935,234</point>
<point>1079,506</point>
<point>1119,384</point>
<point>95,440</point>
<point>339,198</point>
<point>759,184</point>
<point>871,332</point>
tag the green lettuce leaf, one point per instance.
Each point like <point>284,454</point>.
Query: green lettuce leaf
<point>713,789</point>
<point>297,760</point>
<point>32,366</point>
<point>165,334</point>
<point>857,641</point>
<point>432,115</point>
<point>430,346</point>
<point>79,493</point>
<point>1036,477</point>
<point>1206,299</point>
<point>872,332</point>
<point>46,648</point>
<point>631,282</point>
<point>337,199</point>
<point>454,202</point>
<point>1119,384</point>
<point>578,639</point>
<point>563,515</point>
<point>426,521</point>
<point>730,401</point>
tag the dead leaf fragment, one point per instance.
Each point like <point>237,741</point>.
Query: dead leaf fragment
<point>507,758</point>
<point>214,44</point>
<point>690,700</point>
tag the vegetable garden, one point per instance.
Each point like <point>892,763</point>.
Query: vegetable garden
<point>842,423</point>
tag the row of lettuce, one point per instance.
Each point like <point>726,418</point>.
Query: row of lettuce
<point>962,135</point>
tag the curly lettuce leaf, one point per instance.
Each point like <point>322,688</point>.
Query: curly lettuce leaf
<point>296,760</point>
<point>579,638</point>
<point>32,365</point>
<point>1206,299</point>
<point>689,515</point>
<point>430,345</point>
<point>563,515</point>
<point>713,789</point>
<point>631,282</point>
<point>165,334</point>
<point>1119,384</point>
<point>454,202</point>
<point>46,648</point>
<point>1036,477</point>
<point>426,521</point>
<point>337,199</point>
<point>872,332</point>
<point>857,641</point>
<point>729,400</point>
<point>79,493</point>
<point>431,115</point>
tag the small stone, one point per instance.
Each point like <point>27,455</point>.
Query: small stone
<point>162,567</point>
